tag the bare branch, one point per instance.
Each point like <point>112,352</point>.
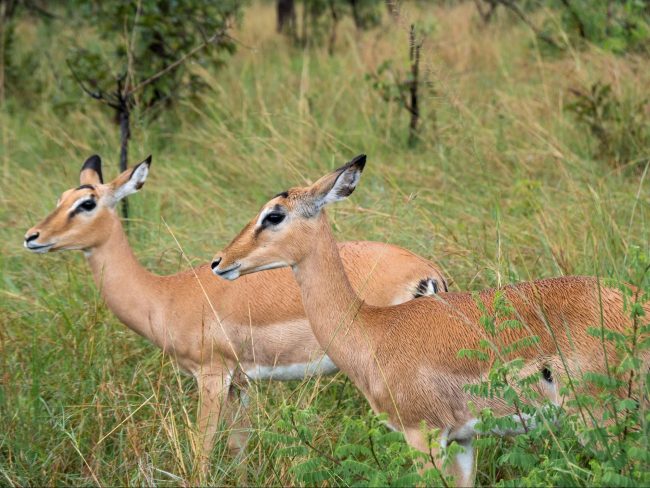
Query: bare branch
<point>178,62</point>
<point>510,4</point>
<point>486,15</point>
<point>97,95</point>
<point>576,17</point>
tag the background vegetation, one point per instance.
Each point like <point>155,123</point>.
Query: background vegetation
<point>530,160</point>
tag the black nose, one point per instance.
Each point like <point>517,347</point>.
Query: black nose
<point>32,237</point>
<point>215,263</point>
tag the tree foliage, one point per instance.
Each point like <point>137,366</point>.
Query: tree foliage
<point>138,40</point>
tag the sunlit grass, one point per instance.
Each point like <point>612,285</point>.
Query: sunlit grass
<point>505,189</point>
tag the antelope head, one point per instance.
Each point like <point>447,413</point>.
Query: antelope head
<point>281,233</point>
<point>84,215</point>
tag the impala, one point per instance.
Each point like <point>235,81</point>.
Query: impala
<point>403,357</point>
<point>211,327</point>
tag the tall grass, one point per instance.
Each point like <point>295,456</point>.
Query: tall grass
<point>505,189</point>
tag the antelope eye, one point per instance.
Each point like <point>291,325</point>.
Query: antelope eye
<point>87,206</point>
<point>273,218</point>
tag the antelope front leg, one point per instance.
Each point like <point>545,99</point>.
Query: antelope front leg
<point>237,414</point>
<point>462,467</point>
<point>214,387</point>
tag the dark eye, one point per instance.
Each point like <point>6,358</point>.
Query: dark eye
<point>87,206</point>
<point>273,218</point>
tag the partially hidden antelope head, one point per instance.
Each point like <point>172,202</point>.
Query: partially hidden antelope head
<point>79,219</point>
<point>274,238</point>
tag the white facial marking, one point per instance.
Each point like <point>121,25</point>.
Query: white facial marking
<point>297,371</point>
<point>274,265</point>
<point>80,201</point>
<point>231,275</point>
<point>264,213</point>
<point>39,249</point>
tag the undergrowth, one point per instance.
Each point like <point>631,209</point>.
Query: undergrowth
<point>510,184</point>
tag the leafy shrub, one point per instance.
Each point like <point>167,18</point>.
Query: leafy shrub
<point>619,26</point>
<point>139,40</point>
<point>620,125</point>
<point>365,453</point>
<point>601,437</point>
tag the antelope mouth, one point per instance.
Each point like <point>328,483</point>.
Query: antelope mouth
<point>38,248</point>
<point>229,273</point>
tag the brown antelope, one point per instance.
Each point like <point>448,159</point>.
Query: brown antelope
<point>404,357</point>
<point>211,327</point>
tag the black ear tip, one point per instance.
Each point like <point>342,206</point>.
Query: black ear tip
<point>148,159</point>
<point>94,163</point>
<point>359,161</point>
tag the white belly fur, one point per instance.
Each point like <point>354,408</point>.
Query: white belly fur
<point>297,371</point>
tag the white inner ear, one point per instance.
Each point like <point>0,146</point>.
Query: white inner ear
<point>138,177</point>
<point>343,186</point>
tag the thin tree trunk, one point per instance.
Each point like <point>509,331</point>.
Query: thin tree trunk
<point>414,57</point>
<point>610,14</point>
<point>305,8</point>
<point>125,135</point>
<point>3,20</point>
<point>286,20</point>
<point>3,27</point>
<point>355,14</point>
<point>335,21</point>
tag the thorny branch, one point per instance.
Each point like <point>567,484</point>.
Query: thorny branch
<point>433,462</point>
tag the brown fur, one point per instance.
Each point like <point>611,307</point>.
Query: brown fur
<point>259,319</point>
<point>404,357</point>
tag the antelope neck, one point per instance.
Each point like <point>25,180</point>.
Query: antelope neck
<point>131,292</point>
<point>331,304</point>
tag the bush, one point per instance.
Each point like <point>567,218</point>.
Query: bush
<point>619,124</point>
<point>601,437</point>
<point>366,453</point>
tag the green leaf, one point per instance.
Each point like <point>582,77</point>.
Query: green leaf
<point>614,479</point>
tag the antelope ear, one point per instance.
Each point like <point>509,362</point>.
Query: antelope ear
<point>129,181</point>
<point>91,171</point>
<point>339,184</point>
